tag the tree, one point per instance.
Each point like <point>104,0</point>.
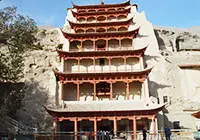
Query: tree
<point>16,37</point>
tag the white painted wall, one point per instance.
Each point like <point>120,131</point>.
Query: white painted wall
<point>117,64</point>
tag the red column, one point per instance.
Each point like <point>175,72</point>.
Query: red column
<point>127,90</point>
<point>115,126</point>
<point>78,64</point>
<point>109,62</point>
<point>95,94</point>
<point>94,63</point>
<point>111,91</point>
<point>154,125</point>
<point>78,91</point>
<point>125,63</point>
<point>94,45</point>
<point>106,44</point>
<point>120,43</point>
<point>61,90</point>
<point>56,120</point>
<point>134,128</point>
<point>95,129</point>
<point>75,129</point>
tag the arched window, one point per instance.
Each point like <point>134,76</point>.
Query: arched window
<point>88,45</point>
<point>127,44</point>
<point>111,10</point>
<point>91,19</point>
<point>100,44</point>
<point>80,31</point>
<point>111,18</point>
<point>75,45</point>
<point>91,10</point>
<point>122,29</point>
<point>101,30</point>
<point>111,29</point>
<point>81,19</point>
<point>101,10</point>
<point>101,18</point>
<point>90,31</point>
<point>121,17</point>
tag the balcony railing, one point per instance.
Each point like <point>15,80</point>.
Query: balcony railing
<point>102,69</point>
<point>102,49</point>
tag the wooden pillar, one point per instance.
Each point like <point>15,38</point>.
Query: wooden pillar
<point>75,129</point>
<point>56,121</point>
<point>94,45</point>
<point>125,63</point>
<point>154,125</point>
<point>115,126</point>
<point>95,94</point>
<point>78,91</point>
<point>109,62</point>
<point>61,90</point>
<point>106,44</point>
<point>81,43</point>
<point>94,63</point>
<point>111,91</point>
<point>95,128</point>
<point>78,64</point>
<point>120,44</point>
<point>134,128</point>
<point>127,90</point>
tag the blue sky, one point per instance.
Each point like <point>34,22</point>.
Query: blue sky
<point>178,13</point>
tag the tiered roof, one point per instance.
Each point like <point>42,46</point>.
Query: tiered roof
<point>97,24</point>
<point>116,76</point>
<point>89,54</point>
<point>97,35</point>
<point>127,3</point>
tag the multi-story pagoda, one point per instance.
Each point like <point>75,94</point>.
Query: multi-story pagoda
<point>103,80</point>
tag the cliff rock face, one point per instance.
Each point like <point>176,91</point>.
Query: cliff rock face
<point>179,85</point>
<point>40,80</point>
<point>177,46</point>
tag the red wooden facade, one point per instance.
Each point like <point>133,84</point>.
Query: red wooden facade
<point>101,30</point>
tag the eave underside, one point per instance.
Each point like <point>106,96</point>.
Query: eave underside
<point>85,36</point>
<point>96,24</point>
<point>196,114</point>
<point>98,77</point>
<point>126,11</point>
<point>127,3</point>
<point>114,54</point>
<point>122,113</point>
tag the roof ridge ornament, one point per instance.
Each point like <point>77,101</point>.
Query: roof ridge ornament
<point>102,2</point>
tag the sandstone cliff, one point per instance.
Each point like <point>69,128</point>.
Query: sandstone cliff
<point>177,46</point>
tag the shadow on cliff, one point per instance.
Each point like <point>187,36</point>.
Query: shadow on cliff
<point>153,88</point>
<point>32,113</point>
<point>161,42</point>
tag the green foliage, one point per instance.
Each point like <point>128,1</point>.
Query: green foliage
<point>16,37</point>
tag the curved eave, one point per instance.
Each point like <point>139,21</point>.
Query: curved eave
<point>135,53</point>
<point>127,3</point>
<point>104,34</point>
<point>139,111</point>
<point>73,24</point>
<point>189,66</point>
<point>196,114</point>
<point>139,76</point>
<point>100,12</point>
